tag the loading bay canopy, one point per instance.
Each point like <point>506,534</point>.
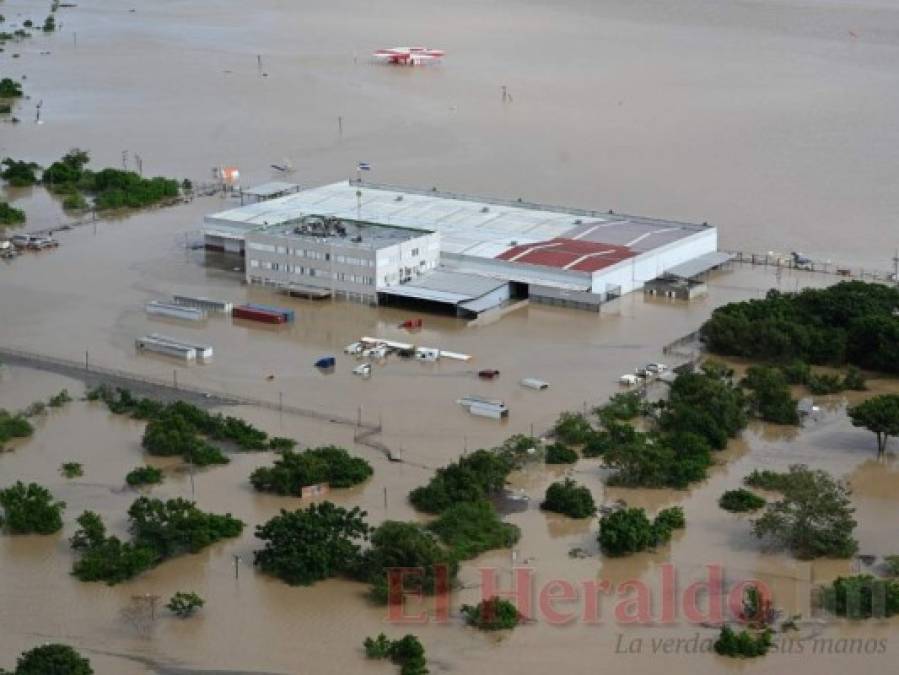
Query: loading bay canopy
<point>698,265</point>
<point>470,292</point>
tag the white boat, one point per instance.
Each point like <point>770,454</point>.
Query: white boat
<point>353,348</point>
<point>363,370</point>
<point>484,407</point>
<point>628,379</point>
<point>534,383</point>
<point>174,311</point>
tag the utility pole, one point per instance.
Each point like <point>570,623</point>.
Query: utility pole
<point>896,267</point>
<point>86,360</point>
<point>385,499</point>
<point>340,125</point>
<point>140,163</point>
<point>124,160</point>
<point>75,39</point>
<point>236,565</point>
<point>175,378</point>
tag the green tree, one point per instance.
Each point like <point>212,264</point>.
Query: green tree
<point>53,659</point>
<point>13,426</point>
<point>407,652</point>
<point>305,546</point>
<point>473,478</point>
<point>569,498</point>
<point>572,429</point>
<point>294,470</point>
<point>743,644</point>
<point>740,501</point>
<point>492,614</point>
<point>19,174</point>
<point>184,604</point>
<point>770,399</point>
<point>10,215</point>
<point>177,526</point>
<point>9,88</point>
<point>813,519</point>
<point>862,597</point>
<point>30,509</point>
<point>396,545</point>
<point>628,531</point>
<point>105,558</point>
<point>879,415</point>
<point>470,528</point>
<point>144,475</point>
<point>558,453</point>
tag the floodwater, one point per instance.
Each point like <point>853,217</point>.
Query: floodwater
<point>767,118</point>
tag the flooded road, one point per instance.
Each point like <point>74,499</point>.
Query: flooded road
<point>768,119</point>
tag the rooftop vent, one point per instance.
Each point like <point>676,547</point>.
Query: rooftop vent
<point>578,221</point>
<point>611,212</point>
<point>398,198</point>
<point>485,209</point>
<point>519,200</point>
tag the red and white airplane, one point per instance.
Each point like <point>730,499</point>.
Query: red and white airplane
<point>408,56</point>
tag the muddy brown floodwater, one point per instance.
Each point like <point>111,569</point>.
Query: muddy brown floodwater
<point>767,118</point>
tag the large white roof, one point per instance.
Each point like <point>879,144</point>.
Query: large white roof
<point>469,226</point>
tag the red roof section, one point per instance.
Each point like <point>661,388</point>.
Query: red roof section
<point>568,254</point>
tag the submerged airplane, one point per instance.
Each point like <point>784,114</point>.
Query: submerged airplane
<point>408,56</point>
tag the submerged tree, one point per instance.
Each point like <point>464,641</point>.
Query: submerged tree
<point>879,415</point>
<point>814,517</point>
<point>30,509</point>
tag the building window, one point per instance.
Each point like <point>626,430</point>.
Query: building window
<point>254,263</point>
<point>255,246</point>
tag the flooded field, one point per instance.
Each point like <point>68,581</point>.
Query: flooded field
<point>768,119</point>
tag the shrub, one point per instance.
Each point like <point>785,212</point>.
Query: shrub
<point>569,498</point>
<point>52,659</point>
<point>770,399</point>
<point>184,605</point>
<point>767,480</point>
<point>294,470</point>
<point>59,399</point>
<point>10,88</point>
<point>740,501</point>
<point>572,429</point>
<point>14,426</point>
<point>854,379</point>
<point>743,644</point>
<point>473,478</point>
<point>892,564</point>
<point>144,475</point>
<point>308,545</point>
<point>862,597</point>
<point>74,202</point>
<point>406,545</point>
<point>160,530</point>
<point>16,173</point>
<point>470,528</point>
<point>796,372</point>
<point>620,407</point>
<point>71,469</point>
<point>659,460</point>
<point>813,519</point>
<point>10,215</point>
<point>492,614</point>
<point>558,453</point>
<point>629,531</point>
<point>825,383</point>
<point>406,652</point>
<point>30,509</point>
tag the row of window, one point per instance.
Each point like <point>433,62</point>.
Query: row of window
<point>312,272</point>
<point>311,254</point>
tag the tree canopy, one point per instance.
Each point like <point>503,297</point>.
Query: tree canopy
<point>850,322</point>
<point>473,478</point>
<point>629,530</point>
<point>470,528</point>
<point>14,426</point>
<point>294,470</point>
<point>569,498</point>
<point>814,517</point>
<point>52,659</point>
<point>30,509</point>
<point>879,415</point>
<point>308,545</point>
<point>407,652</point>
<point>770,397</point>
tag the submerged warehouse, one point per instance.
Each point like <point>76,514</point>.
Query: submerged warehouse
<point>458,254</point>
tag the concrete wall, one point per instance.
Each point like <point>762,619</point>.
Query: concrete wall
<point>631,274</point>
<point>410,258</point>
